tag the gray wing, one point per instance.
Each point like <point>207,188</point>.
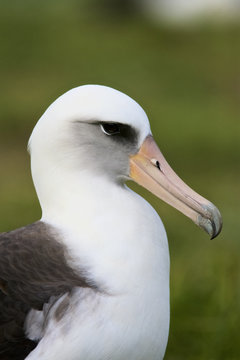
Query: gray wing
<point>33,268</point>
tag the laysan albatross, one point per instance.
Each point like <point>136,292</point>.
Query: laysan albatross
<point>90,280</point>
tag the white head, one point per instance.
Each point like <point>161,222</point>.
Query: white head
<point>94,134</point>
<point>72,133</point>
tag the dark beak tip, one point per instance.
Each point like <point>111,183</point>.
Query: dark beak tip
<point>213,223</point>
<point>216,232</point>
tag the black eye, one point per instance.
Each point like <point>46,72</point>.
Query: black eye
<point>110,128</point>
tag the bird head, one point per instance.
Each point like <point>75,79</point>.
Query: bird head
<point>102,132</point>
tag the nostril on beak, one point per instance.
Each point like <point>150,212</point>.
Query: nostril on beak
<point>156,163</point>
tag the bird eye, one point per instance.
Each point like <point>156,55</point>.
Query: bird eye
<point>110,128</point>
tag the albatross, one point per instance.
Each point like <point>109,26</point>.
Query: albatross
<point>90,280</point>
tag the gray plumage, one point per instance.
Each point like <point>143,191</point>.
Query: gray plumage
<point>33,269</point>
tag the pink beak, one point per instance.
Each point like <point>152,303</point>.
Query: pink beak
<point>150,169</point>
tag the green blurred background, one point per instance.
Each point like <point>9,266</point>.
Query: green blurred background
<point>188,81</point>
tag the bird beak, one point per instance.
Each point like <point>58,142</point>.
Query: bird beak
<point>150,169</point>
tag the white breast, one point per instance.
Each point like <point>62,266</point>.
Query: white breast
<point>126,252</point>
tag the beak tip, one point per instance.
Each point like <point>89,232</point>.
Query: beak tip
<point>217,227</point>
<point>212,224</point>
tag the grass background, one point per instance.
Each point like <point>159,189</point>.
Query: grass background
<point>189,84</point>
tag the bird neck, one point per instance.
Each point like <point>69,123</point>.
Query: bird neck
<point>79,195</point>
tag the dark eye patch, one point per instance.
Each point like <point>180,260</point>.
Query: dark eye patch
<point>115,132</point>
<point>120,132</point>
<point>111,128</point>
